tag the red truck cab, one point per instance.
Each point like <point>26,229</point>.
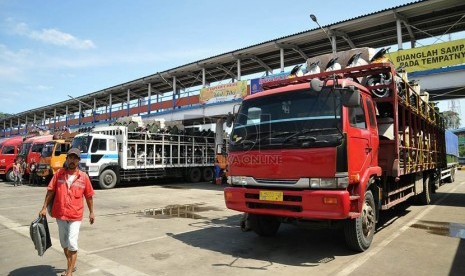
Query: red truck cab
<point>32,148</point>
<point>9,149</point>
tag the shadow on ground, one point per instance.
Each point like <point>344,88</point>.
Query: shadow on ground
<point>38,270</point>
<point>292,245</point>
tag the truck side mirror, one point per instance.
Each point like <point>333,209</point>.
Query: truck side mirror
<point>229,119</point>
<point>350,96</point>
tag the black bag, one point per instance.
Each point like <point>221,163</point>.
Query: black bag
<point>40,235</point>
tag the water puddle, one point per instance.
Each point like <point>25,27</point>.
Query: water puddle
<point>180,211</point>
<point>455,230</point>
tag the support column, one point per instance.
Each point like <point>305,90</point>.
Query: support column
<point>149,97</point>
<point>333,44</point>
<point>25,125</point>
<point>45,118</point>
<point>11,127</point>
<point>54,119</point>
<point>80,117</point>
<point>238,69</point>
<point>174,92</point>
<point>219,141</point>
<point>4,128</point>
<point>281,58</point>
<point>66,116</point>
<point>399,34</point>
<point>204,79</point>
<point>158,101</point>
<point>35,118</point>
<point>129,100</point>
<point>110,104</point>
<point>94,110</point>
<point>19,126</point>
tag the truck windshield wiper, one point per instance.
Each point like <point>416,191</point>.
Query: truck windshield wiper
<point>306,131</point>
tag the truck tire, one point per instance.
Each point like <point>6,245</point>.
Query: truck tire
<point>9,176</point>
<point>207,174</point>
<point>425,197</point>
<point>194,175</point>
<point>262,225</point>
<point>107,179</point>
<point>359,232</point>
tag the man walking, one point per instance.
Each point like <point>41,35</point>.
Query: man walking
<point>67,189</point>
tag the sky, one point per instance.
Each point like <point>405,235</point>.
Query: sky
<point>50,49</point>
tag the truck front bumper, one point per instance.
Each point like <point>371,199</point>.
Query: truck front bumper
<point>304,204</point>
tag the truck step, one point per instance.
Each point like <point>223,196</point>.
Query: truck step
<point>354,197</point>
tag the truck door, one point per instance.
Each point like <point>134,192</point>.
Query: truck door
<point>359,139</point>
<point>374,138</point>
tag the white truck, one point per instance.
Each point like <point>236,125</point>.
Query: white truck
<point>113,154</point>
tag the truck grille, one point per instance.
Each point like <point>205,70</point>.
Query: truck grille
<point>256,204</point>
<point>292,208</point>
<point>276,181</point>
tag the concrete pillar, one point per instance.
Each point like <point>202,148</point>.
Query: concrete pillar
<point>94,111</point>
<point>129,99</point>
<point>66,116</point>
<point>281,58</point>
<point>149,97</point>
<point>219,135</point>
<point>399,34</point>
<point>204,79</point>
<point>80,112</point>
<point>238,69</point>
<point>110,103</point>
<point>174,92</point>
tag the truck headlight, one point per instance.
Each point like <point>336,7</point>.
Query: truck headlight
<point>93,169</point>
<point>237,180</point>
<point>329,183</point>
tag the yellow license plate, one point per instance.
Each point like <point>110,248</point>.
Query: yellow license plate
<point>271,196</point>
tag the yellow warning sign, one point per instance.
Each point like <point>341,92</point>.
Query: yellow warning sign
<point>430,57</point>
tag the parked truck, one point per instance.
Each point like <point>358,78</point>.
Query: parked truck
<point>113,154</point>
<point>53,157</point>
<point>9,149</point>
<point>334,149</point>
<point>31,149</point>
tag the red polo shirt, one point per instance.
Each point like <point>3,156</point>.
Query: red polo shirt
<point>68,203</point>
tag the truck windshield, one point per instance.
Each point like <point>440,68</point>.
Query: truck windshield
<point>82,143</point>
<point>47,150</point>
<point>303,118</point>
<point>25,149</point>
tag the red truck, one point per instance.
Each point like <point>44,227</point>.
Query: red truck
<point>324,150</point>
<point>32,148</point>
<point>9,149</point>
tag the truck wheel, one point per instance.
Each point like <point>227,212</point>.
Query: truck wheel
<point>207,174</point>
<point>425,197</point>
<point>10,176</point>
<point>265,226</point>
<point>107,179</point>
<point>359,232</point>
<point>194,175</point>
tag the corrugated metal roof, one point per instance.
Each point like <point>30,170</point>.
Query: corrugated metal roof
<point>377,29</point>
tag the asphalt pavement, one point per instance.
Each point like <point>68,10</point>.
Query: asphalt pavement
<point>174,228</point>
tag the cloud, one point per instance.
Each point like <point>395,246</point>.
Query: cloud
<point>54,36</point>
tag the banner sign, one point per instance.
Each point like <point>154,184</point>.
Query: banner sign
<point>223,92</point>
<point>430,57</point>
<point>256,84</point>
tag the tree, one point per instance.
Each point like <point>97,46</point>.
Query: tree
<point>452,119</point>
<point>4,115</point>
